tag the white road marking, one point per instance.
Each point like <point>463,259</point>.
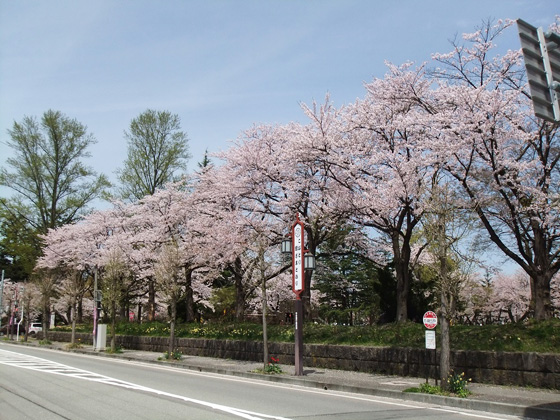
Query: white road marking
<point>37,364</point>
<point>341,394</point>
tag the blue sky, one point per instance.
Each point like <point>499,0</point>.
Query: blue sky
<point>220,65</point>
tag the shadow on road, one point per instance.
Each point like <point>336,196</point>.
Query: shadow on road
<point>544,411</point>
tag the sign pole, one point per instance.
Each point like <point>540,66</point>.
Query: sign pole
<point>95,312</point>
<point>300,262</point>
<point>298,285</point>
<point>430,322</point>
<point>298,352</point>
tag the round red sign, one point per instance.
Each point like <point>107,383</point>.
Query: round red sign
<point>430,320</point>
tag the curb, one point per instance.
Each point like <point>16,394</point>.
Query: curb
<point>527,412</point>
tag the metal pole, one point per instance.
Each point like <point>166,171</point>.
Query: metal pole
<point>22,312</point>
<point>300,263</point>
<point>95,308</point>
<point>298,336</point>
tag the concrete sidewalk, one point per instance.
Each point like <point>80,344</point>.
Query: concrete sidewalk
<point>515,401</point>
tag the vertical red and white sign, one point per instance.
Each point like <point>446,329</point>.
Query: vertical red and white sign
<point>297,252</point>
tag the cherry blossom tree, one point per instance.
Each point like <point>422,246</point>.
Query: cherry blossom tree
<point>137,232</point>
<point>504,160</point>
<point>175,219</point>
<point>67,252</point>
<point>504,297</point>
<point>511,296</point>
<point>475,296</point>
<point>276,174</point>
<point>379,159</point>
<point>230,231</point>
<point>73,286</point>
<point>370,164</point>
<point>9,300</point>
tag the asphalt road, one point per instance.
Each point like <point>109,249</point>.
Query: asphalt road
<point>42,384</point>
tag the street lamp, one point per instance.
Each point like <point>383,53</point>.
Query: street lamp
<point>309,261</point>
<point>302,260</point>
<point>287,246</point>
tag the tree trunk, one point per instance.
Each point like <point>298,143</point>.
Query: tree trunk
<point>540,287</point>
<point>403,286</point>
<point>113,327</point>
<point>239,291</point>
<point>26,329</point>
<point>73,316</point>
<point>46,316</point>
<point>402,270</point>
<point>27,307</point>
<point>123,309</point>
<point>308,277</point>
<point>11,327</point>
<point>445,352</point>
<point>172,326</point>
<point>151,300</point>
<point>80,318</point>
<point>189,295</point>
<point>306,296</point>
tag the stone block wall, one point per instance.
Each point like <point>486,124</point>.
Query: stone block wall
<point>523,369</point>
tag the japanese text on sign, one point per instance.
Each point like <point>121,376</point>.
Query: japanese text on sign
<point>298,258</point>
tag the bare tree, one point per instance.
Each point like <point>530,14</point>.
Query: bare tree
<point>167,272</point>
<point>444,226</point>
<point>47,285</point>
<point>113,280</point>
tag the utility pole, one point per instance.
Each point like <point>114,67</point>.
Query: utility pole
<point>22,314</point>
<point>95,312</point>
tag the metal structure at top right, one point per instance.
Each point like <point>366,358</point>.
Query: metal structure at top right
<point>541,52</point>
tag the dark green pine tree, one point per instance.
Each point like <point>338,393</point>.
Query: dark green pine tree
<point>348,283</point>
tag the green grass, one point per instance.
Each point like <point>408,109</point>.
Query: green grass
<point>457,387</point>
<point>542,337</point>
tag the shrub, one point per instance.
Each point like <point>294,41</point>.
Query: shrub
<point>457,384</point>
<point>174,355</point>
<point>272,366</point>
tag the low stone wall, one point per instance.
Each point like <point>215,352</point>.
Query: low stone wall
<point>540,370</point>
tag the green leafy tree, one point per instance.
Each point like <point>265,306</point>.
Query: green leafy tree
<point>157,150</point>
<point>52,185</point>
<point>19,245</point>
